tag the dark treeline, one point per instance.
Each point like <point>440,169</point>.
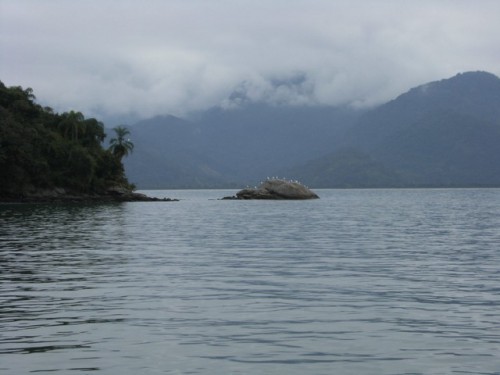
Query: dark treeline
<point>41,149</point>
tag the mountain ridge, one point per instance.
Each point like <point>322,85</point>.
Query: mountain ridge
<point>441,133</point>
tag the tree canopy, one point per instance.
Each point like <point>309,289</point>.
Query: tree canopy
<point>40,149</point>
<point>121,146</point>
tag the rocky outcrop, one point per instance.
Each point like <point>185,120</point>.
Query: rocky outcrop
<point>276,189</point>
<point>113,194</point>
<point>124,195</point>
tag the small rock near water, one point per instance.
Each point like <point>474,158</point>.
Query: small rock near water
<point>277,189</point>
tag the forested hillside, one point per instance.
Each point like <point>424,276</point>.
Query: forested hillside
<point>41,149</point>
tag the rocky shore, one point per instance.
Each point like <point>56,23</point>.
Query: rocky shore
<point>115,194</point>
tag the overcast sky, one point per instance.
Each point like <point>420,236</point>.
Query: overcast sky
<point>106,57</point>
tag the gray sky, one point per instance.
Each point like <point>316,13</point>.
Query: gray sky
<point>106,57</point>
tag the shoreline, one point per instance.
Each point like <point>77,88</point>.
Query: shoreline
<point>83,198</point>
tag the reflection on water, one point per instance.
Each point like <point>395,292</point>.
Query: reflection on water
<point>358,282</point>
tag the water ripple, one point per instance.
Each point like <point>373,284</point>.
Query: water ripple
<point>358,282</point>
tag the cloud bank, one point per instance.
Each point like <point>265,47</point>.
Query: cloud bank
<point>107,57</point>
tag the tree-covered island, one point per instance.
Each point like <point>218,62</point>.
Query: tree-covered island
<point>47,156</point>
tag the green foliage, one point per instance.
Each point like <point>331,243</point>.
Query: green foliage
<point>120,146</point>
<point>43,149</point>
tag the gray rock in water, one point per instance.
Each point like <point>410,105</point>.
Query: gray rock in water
<point>277,189</point>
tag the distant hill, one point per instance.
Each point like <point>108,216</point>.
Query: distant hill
<point>346,168</point>
<point>170,152</point>
<point>230,148</point>
<point>444,133</point>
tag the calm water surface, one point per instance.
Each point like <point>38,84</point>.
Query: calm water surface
<point>358,282</point>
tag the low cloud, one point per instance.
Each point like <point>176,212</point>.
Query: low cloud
<point>145,58</point>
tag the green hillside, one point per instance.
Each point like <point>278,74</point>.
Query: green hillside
<point>41,149</point>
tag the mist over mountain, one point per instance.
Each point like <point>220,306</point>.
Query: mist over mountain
<point>443,133</point>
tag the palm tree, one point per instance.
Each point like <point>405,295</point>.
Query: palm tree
<point>120,146</point>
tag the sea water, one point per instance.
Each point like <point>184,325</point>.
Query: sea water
<point>357,282</point>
